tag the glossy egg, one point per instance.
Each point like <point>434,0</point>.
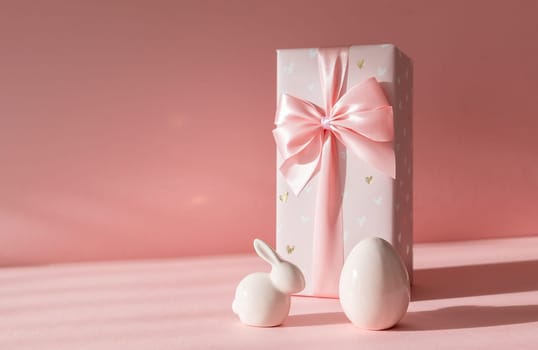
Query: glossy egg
<point>374,285</point>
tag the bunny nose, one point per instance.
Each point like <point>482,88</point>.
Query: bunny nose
<point>326,123</point>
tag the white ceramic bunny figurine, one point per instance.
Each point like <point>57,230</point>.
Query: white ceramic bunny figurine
<point>263,299</point>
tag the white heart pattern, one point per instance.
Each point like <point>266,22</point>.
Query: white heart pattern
<point>381,71</point>
<point>361,220</point>
<point>378,200</point>
<point>289,68</point>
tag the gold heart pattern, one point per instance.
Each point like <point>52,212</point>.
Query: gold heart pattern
<point>369,179</point>
<point>290,248</point>
<point>283,197</point>
<point>361,63</point>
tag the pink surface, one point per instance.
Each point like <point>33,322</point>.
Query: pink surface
<point>487,299</point>
<point>142,128</point>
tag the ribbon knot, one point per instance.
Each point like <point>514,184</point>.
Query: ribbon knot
<point>326,123</point>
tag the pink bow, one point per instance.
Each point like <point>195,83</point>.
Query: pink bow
<point>306,135</point>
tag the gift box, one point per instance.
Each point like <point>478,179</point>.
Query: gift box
<point>344,156</point>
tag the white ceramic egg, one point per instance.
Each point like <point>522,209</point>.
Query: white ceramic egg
<point>374,285</point>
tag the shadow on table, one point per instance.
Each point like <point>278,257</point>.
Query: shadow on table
<point>474,280</point>
<point>316,319</point>
<point>458,317</point>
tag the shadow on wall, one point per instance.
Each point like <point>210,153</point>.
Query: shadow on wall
<point>473,280</point>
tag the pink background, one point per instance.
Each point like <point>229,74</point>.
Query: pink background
<point>138,129</point>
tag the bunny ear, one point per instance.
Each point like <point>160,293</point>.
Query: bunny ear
<point>266,252</point>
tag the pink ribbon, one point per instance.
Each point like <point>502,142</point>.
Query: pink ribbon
<point>307,137</point>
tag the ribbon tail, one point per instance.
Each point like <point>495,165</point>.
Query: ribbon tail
<point>328,244</point>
